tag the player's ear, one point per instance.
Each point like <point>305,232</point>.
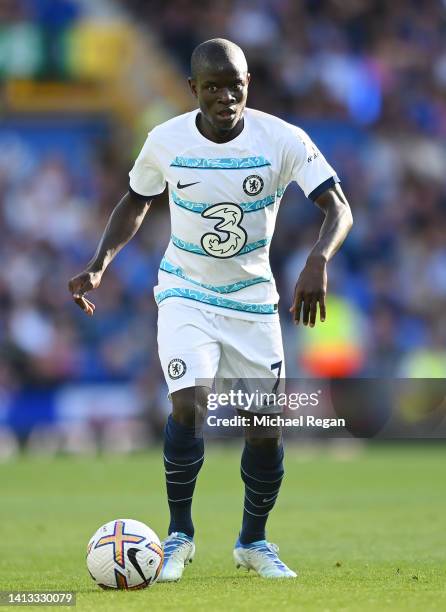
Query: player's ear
<point>193,86</point>
<point>248,78</point>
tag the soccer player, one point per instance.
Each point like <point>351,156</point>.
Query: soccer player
<point>226,167</point>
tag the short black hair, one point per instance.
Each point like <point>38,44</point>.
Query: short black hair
<point>216,53</point>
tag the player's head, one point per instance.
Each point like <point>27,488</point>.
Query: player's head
<point>219,80</point>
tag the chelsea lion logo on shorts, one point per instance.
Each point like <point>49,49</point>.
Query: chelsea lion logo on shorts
<point>176,368</point>
<point>253,184</point>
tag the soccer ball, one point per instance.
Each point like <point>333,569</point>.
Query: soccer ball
<point>124,554</point>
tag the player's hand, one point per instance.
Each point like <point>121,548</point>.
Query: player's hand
<point>78,287</point>
<point>311,289</point>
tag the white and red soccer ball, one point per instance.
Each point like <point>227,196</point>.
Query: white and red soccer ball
<point>124,554</point>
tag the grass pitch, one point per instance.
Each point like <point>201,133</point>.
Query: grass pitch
<point>364,534</point>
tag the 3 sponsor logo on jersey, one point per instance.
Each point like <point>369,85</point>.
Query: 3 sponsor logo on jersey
<point>176,368</point>
<point>253,184</point>
<point>233,237</point>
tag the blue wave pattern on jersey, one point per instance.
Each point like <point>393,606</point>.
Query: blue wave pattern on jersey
<point>205,298</point>
<point>166,266</point>
<point>247,207</point>
<point>220,163</point>
<point>195,248</point>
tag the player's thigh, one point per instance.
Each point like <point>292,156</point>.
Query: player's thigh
<point>253,351</point>
<point>188,349</point>
<point>189,405</point>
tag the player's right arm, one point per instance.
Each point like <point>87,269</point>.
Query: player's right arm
<point>122,225</point>
<point>146,177</point>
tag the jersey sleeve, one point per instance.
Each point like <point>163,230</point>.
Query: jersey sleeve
<point>146,176</point>
<point>308,167</point>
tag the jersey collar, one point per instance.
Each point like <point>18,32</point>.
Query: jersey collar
<point>203,139</point>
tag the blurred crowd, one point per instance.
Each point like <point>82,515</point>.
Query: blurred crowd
<point>367,79</point>
<point>368,61</point>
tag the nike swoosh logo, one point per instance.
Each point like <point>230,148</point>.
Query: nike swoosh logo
<point>180,186</point>
<point>265,500</point>
<point>131,554</point>
<point>175,472</point>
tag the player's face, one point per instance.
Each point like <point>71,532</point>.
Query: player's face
<point>222,97</point>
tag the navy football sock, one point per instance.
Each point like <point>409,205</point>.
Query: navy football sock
<point>262,472</point>
<point>183,458</point>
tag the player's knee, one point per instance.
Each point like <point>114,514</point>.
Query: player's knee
<point>265,446</point>
<point>190,406</point>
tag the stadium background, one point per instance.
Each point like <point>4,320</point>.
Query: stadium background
<point>82,83</point>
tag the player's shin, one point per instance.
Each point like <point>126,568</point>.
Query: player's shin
<point>183,458</point>
<point>262,472</point>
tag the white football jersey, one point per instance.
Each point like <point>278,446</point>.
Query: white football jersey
<point>223,200</point>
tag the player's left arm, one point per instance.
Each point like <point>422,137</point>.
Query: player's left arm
<point>311,287</point>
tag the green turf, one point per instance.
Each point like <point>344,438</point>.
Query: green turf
<point>366,533</point>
